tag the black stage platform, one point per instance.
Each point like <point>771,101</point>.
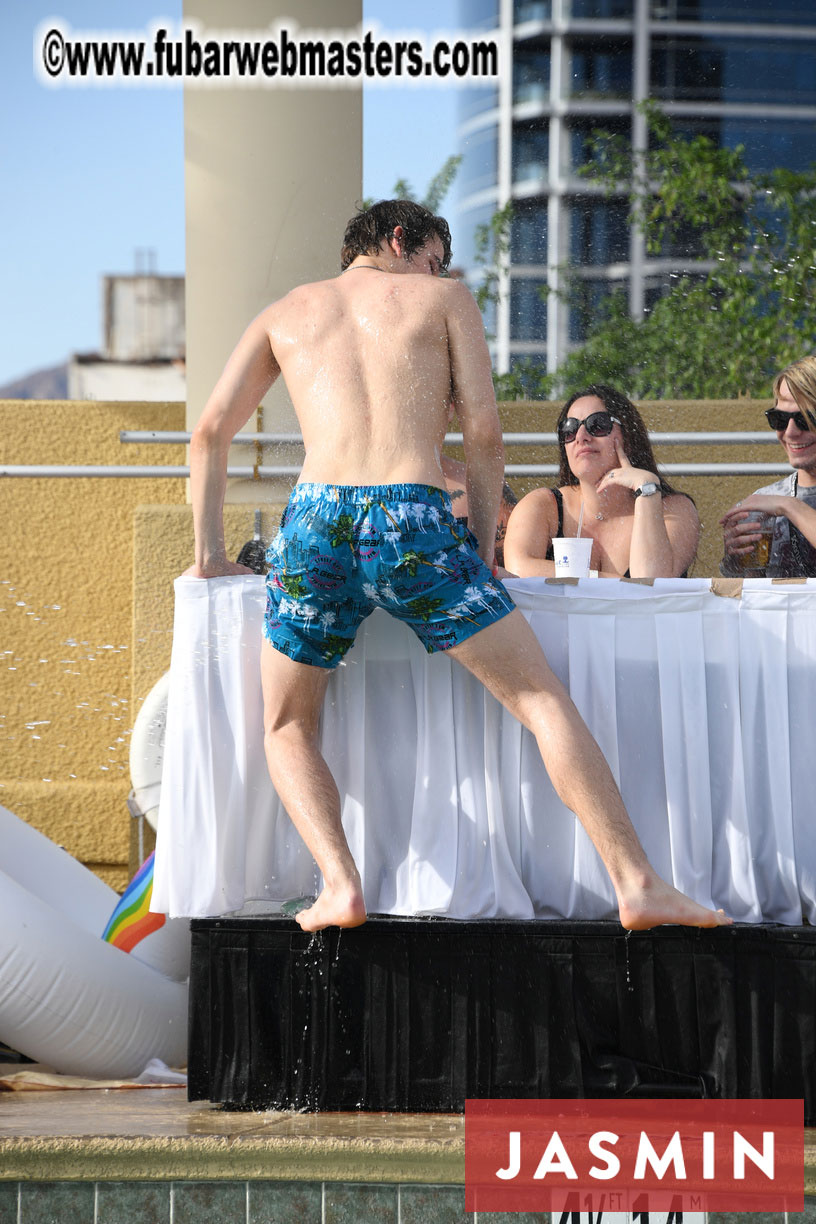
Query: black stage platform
<point>419,1014</point>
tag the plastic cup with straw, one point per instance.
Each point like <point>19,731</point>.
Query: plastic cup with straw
<point>572,555</point>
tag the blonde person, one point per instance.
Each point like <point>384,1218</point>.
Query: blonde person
<point>640,525</point>
<point>790,501</point>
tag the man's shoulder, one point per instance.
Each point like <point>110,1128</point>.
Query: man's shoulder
<point>298,298</point>
<point>782,487</point>
<point>455,298</point>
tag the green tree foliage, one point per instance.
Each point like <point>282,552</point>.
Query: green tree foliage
<point>744,305</point>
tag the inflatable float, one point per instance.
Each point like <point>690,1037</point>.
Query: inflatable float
<point>91,983</point>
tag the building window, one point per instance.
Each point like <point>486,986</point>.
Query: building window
<point>601,68</point>
<point>531,153</point>
<point>532,10</point>
<point>599,232</point>
<point>602,8</point>
<point>529,370</point>
<point>756,12</point>
<point>719,69</point>
<point>587,299</point>
<point>582,132</point>
<point>528,232</point>
<point>531,77</point>
<point>528,310</point>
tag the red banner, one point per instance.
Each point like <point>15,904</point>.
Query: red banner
<point>634,1155</point>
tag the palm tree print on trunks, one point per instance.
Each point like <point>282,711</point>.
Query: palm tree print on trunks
<point>342,531</point>
<point>424,607</point>
<point>389,515</point>
<point>411,559</point>
<point>294,585</point>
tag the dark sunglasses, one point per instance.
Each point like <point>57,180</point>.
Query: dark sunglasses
<point>779,420</point>
<point>598,424</point>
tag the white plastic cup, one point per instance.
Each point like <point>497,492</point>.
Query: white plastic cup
<point>572,556</point>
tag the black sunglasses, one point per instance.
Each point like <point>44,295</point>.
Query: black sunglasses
<point>598,424</point>
<point>778,420</point>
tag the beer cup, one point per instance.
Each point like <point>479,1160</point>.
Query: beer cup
<point>759,556</point>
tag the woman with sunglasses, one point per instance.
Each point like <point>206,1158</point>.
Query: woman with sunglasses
<point>791,501</point>
<point>641,527</point>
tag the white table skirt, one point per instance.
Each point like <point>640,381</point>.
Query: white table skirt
<point>703,705</point>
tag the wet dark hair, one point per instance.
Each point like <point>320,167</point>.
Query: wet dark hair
<point>635,436</point>
<point>366,230</point>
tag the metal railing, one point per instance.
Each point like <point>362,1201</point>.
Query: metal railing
<point>261,471</point>
<point>170,437</point>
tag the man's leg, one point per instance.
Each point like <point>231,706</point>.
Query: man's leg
<point>509,661</point>
<point>293,697</point>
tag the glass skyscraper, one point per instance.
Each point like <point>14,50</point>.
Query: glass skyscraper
<point>739,71</point>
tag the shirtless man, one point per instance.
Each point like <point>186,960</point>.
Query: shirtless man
<point>372,360</point>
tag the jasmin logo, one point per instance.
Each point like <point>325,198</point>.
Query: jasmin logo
<point>659,1155</point>
<point>555,1158</point>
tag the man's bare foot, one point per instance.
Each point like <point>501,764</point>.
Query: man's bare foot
<point>334,907</point>
<point>658,902</point>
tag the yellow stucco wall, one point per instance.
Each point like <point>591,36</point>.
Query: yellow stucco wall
<point>66,597</point>
<point>86,595</point>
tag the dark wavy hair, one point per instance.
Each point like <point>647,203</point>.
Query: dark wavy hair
<point>367,229</point>
<point>635,436</point>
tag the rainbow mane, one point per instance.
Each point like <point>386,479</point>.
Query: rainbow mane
<point>131,921</point>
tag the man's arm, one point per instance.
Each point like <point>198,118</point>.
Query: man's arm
<point>475,404</point>
<point>780,505</point>
<point>246,378</point>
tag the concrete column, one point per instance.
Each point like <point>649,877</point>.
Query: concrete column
<point>271,176</point>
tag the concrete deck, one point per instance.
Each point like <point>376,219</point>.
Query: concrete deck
<point>155,1133</point>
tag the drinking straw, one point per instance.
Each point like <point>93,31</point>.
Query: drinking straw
<point>580,520</point>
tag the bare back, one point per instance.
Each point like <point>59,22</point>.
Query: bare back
<point>367,362</point>
<point>373,361</point>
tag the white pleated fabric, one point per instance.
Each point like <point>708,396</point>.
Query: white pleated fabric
<point>702,706</point>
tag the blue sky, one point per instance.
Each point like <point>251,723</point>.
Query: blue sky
<point>91,176</point>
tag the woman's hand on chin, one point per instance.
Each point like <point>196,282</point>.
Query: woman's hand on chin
<point>624,475</point>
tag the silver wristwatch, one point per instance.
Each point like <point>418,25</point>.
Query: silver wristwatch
<point>648,489</point>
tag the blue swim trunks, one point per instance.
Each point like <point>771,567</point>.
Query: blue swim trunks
<point>344,550</point>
